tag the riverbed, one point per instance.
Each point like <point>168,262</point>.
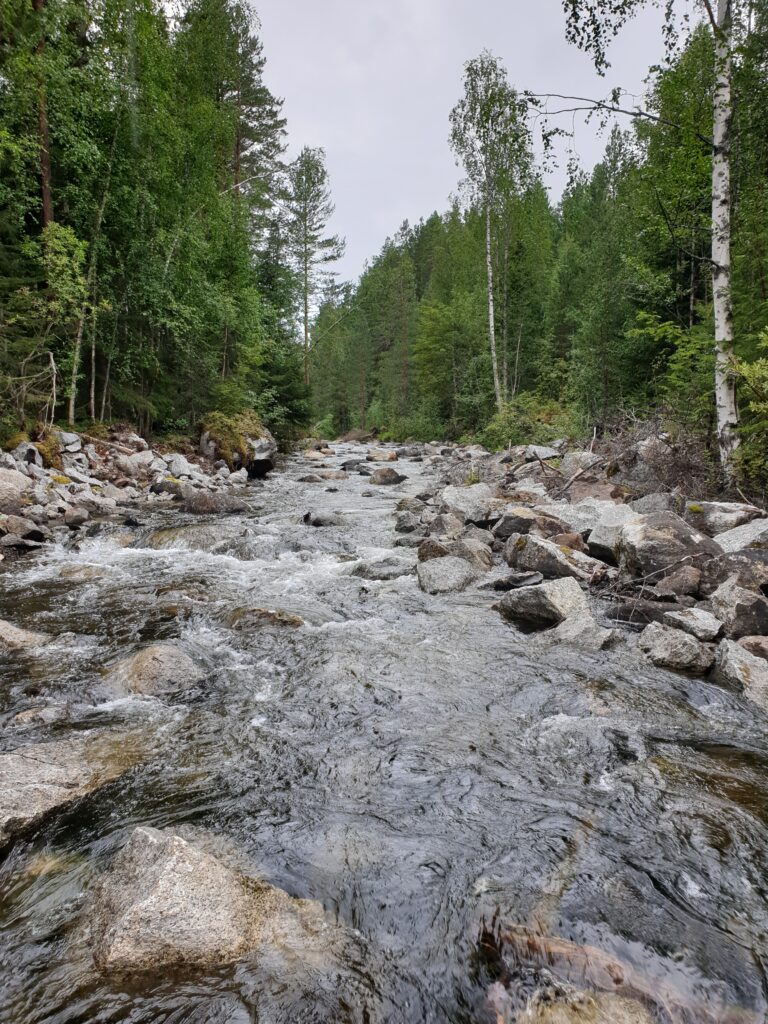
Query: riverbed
<point>433,777</point>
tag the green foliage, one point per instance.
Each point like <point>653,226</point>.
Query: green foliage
<point>528,419</point>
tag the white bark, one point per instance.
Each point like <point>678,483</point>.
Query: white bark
<point>725,383</point>
<point>491,316</point>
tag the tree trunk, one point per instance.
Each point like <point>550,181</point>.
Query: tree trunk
<point>75,365</point>
<point>505,320</point>
<point>725,382</point>
<point>306,324</point>
<point>43,137</point>
<point>491,318</point>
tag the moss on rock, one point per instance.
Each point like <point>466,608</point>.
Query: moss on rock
<point>229,434</point>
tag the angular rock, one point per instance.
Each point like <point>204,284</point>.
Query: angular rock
<point>13,638</point>
<point>672,648</point>
<point>757,645</point>
<point>748,568</point>
<point>527,520</point>
<point>385,476</point>
<point>473,502</point>
<point>659,502</point>
<point>446,525</point>
<point>407,522</point>
<point>739,669</point>
<point>699,623</point>
<point>320,519</point>
<point>538,555</point>
<point>684,581</point>
<point>446,575</point>
<point>604,539</point>
<point>752,535</point>
<point>76,517</point>
<point>431,548</point>
<point>155,670</point>
<point>205,503</point>
<point>25,528</point>
<point>742,612</point>
<point>657,544</point>
<point>582,630</point>
<point>381,455</point>
<point>36,780</point>
<point>179,466</point>
<point>166,903</point>
<point>544,605</point>
<point>473,532</point>
<point>534,452</point>
<point>716,517</point>
<point>570,540</point>
<point>13,487</point>
<point>474,552</point>
<point>579,518</point>
<point>389,568</point>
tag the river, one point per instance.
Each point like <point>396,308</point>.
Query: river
<point>428,773</point>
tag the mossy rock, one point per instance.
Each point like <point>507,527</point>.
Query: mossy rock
<point>59,478</point>
<point>50,450</point>
<point>15,440</point>
<point>229,434</point>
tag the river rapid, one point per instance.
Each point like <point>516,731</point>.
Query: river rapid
<point>436,779</point>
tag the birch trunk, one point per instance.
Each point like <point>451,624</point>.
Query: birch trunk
<point>725,383</point>
<point>491,317</point>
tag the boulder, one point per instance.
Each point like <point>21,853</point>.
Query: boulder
<point>580,518</point>
<point>310,478</point>
<point>25,528</point>
<point>76,517</point>
<point>660,501</point>
<point>415,505</point>
<point>657,544</point>
<point>534,452</point>
<point>520,519</point>
<point>446,575</point>
<point>36,780</point>
<point>748,568</point>
<point>538,555</point>
<point>203,503</point>
<point>13,487</point>
<point>165,903</point>
<point>431,548</point>
<point>155,670</point>
<point>750,535</point>
<point>385,476</point>
<point>179,466</point>
<point>742,612</point>
<point>260,454</point>
<point>672,648</point>
<point>582,630</point>
<point>512,581</point>
<point>473,532</point>
<point>604,539</point>
<point>716,517</point>
<point>381,455</point>
<point>757,645</point>
<point>333,474</point>
<point>474,552</point>
<point>12,638</point>
<point>68,441</point>
<point>570,540</point>
<point>473,502</point>
<point>699,623</point>
<point>576,462</point>
<point>321,519</point>
<point>446,525</point>
<point>680,583</point>
<point>407,522</point>
<point>390,568</point>
<point>738,669</point>
<point>544,605</point>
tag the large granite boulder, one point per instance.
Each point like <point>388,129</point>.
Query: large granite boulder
<point>166,903</point>
<point>473,502</point>
<point>750,535</point>
<point>659,543</point>
<point>716,517</point>
<point>738,669</point>
<point>742,612</point>
<point>446,575</point>
<point>672,648</point>
<point>544,605</point>
<point>39,779</point>
<point>536,554</point>
<point>13,488</point>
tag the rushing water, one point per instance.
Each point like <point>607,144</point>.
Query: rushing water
<point>433,777</point>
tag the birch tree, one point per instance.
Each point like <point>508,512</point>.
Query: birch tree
<point>309,210</point>
<point>590,25</point>
<point>489,135</point>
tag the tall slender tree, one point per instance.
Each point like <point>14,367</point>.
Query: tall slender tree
<point>489,134</point>
<point>309,210</point>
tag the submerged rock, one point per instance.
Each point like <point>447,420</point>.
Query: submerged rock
<point>446,575</point>
<point>320,519</point>
<point>167,903</point>
<point>390,568</point>
<point>247,618</point>
<point>587,1008</point>
<point>155,670</point>
<point>203,503</point>
<point>36,780</point>
<point>13,638</point>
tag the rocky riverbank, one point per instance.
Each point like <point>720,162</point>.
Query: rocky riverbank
<point>404,692</point>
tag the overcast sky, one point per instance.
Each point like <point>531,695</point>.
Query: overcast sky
<point>373,81</point>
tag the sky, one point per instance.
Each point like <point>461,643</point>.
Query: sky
<point>373,82</point>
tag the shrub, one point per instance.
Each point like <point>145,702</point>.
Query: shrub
<point>530,419</point>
